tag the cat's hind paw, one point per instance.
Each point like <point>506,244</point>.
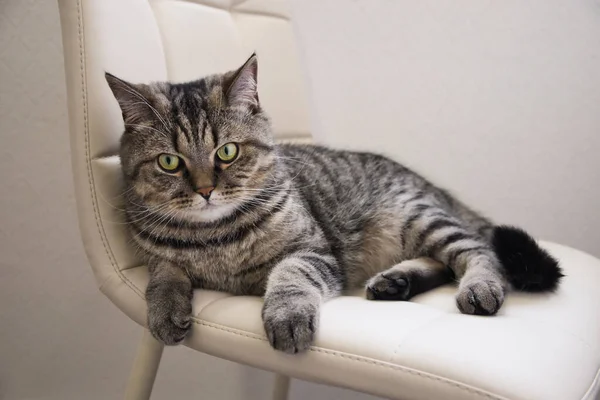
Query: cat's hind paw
<point>407,279</point>
<point>392,284</point>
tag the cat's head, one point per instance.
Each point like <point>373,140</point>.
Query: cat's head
<point>196,150</point>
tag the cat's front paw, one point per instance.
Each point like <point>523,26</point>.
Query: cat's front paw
<point>170,320</point>
<point>480,297</point>
<point>290,325</point>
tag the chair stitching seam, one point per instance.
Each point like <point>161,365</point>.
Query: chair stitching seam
<point>87,152</point>
<point>360,359</point>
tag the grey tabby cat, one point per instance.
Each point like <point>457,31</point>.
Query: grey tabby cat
<point>214,203</point>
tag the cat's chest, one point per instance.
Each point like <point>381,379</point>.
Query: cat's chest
<point>238,267</point>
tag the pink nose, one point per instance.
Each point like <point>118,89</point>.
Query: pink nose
<point>205,191</point>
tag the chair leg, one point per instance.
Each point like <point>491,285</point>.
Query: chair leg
<point>145,365</point>
<point>281,388</point>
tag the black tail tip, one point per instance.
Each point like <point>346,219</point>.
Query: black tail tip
<point>528,267</point>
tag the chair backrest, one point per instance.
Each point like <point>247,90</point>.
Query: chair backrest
<point>152,40</point>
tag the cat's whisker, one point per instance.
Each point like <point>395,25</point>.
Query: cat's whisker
<point>158,227</point>
<point>154,224</point>
<point>151,220</point>
<point>149,212</point>
<point>144,215</point>
<point>101,195</point>
<point>120,196</point>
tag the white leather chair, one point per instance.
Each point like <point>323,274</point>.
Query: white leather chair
<point>543,347</point>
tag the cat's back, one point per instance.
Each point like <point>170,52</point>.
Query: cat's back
<point>341,174</point>
<point>354,198</point>
<point>308,158</point>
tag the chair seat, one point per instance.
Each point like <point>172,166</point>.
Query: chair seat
<point>543,347</point>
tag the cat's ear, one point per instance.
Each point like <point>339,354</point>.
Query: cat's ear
<point>242,90</point>
<point>133,99</point>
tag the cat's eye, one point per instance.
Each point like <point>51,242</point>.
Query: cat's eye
<point>170,163</point>
<point>227,153</point>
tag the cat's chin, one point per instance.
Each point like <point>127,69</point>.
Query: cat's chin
<point>210,212</point>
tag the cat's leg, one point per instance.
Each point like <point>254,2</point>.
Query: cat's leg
<point>434,233</point>
<point>296,287</point>
<point>169,296</point>
<point>408,279</point>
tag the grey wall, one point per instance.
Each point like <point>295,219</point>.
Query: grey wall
<point>498,101</point>
<point>457,93</point>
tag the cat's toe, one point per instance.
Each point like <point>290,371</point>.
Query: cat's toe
<point>480,297</point>
<point>389,285</point>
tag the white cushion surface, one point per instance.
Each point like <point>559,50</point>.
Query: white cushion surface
<point>543,347</point>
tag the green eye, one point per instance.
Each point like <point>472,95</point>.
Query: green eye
<point>169,162</point>
<point>228,152</point>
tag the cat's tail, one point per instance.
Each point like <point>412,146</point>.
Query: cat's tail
<point>528,267</point>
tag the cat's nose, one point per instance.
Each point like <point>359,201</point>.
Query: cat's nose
<point>205,191</point>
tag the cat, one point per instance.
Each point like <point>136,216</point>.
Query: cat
<point>213,202</point>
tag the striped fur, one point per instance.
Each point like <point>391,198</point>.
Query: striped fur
<point>296,224</point>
